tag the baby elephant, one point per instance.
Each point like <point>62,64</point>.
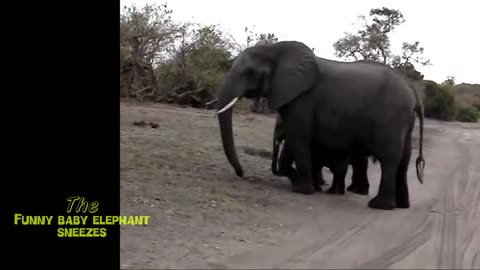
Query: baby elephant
<point>337,162</point>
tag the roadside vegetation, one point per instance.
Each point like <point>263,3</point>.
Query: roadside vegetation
<point>164,60</point>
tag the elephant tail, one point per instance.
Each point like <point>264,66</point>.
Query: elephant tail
<point>420,162</point>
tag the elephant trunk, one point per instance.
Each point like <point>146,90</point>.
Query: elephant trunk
<point>226,101</point>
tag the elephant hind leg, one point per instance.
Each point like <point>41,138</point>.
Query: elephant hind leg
<point>385,198</point>
<point>360,183</point>
<point>318,180</point>
<point>317,177</point>
<point>390,153</point>
<point>402,197</point>
<point>339,169</point>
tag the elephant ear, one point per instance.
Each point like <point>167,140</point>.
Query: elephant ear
<point>296,72</point>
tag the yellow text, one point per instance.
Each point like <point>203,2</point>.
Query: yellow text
<point>82,232</point>
<point>121,220</point>
<point>32,220</point>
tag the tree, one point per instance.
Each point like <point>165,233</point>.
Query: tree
<point>449,82</point>
<point>143,34</point>
<point>408,69</point>
<point>411,53</point>
<point>167,61</point>
<point>267,38</point>
<point>198,62</point>
<point>372,42</point>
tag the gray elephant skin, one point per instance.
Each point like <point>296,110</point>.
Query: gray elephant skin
<point>356,107</point>
<point>286,161</point>
<point>321,157</point>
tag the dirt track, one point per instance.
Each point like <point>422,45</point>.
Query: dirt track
<point>203,216</point>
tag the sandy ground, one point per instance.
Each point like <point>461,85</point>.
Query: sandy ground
<point>203,216</point>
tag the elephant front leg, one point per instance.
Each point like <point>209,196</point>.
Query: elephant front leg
<point>303,182</point>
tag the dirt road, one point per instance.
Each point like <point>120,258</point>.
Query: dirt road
<point>203,216</point>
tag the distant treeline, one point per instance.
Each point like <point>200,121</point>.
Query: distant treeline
<point>164,60</point>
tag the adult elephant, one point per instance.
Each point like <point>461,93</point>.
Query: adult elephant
<point>321,157</point>
<point>347,106</point>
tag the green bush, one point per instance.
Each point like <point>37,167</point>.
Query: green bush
<point>194,77</point>
<point>477,106</point>
<point>467,114</point>
<point>439,103</point>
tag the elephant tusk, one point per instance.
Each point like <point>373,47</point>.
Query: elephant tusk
<point>229,105</point>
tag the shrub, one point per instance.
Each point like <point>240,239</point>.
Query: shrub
<point>467,114</point>
<point>477,106</point>
<point>439,103</point>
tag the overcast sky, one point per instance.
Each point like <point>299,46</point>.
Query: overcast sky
<point>448,30</point>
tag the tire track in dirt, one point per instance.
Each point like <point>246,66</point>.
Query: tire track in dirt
<point>336,233</point>
<point>469,202</point>
<point>305,241</point>
<point>306,250</point>
<point>476,196</point>
<point>416,240</point>
<point>447,257</point>
<point>447,254</point>
<point>458,184</point>
<point>476,201</point>
<point>470,244</point>
<point>467,215</point>
<point>399,252</point>
<point>476,261</point>
<point>471,199</point>
<point>339,237</point>
<point>467,244</point>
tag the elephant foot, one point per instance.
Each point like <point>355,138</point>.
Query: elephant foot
<point>402,202</point>
<point>292,178</point>
<point>358,189</point>
<point>381,203</point>
<point>318,183</point>
<point>336,190</point>
<point>321,182</point>
<point>308,190</point>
